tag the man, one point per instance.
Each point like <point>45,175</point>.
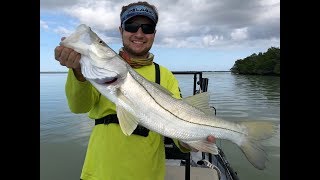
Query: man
<point>111,155</point>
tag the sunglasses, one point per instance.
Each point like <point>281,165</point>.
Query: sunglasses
<point>146,28</point>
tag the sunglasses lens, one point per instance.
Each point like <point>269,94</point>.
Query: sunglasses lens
<point>131,27</point>
<point>146,28</point>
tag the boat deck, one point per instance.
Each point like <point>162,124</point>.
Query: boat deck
<point>196,173</point>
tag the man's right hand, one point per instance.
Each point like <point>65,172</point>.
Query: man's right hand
<point>69,58</point>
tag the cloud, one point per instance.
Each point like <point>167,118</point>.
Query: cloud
<point>44,25</point>
<point>99,14</point>
<point>52,5</point>
<point>210,40</point>
<point>192,23</point>
<point>239,34</point>
<point>62,31</point>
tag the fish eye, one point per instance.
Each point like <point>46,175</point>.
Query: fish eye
<point>101,42</point>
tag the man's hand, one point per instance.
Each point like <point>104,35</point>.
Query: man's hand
<point>210,139</point>
<point>69,58</point>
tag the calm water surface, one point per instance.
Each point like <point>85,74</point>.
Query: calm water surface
<point>64,136</point>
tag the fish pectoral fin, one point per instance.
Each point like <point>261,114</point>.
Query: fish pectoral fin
<point>201,102</point>
<point>127,121</point>
<point>204,146</point>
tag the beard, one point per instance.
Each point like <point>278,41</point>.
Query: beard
<point>144,52</point>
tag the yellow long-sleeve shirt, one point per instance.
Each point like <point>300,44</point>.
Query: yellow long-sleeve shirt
<point>111,155</point>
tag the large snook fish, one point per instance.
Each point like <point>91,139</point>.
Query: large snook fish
<point>139,101</point>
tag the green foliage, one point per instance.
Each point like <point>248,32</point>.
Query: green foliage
<point>267,63</point>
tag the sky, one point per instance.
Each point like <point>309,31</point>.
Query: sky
<point>192,35</point>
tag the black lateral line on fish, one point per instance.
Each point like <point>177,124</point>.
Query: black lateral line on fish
<point>181,118</point>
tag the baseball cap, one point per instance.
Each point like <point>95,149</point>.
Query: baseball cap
<point>139,10</point>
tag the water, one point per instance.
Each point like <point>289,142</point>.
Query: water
<point>64,136</point>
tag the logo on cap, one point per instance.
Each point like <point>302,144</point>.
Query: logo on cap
<point>139,10</point>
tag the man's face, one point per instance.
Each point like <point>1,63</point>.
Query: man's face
<point>137,43</point>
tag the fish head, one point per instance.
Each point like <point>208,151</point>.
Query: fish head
<point>99,63</point>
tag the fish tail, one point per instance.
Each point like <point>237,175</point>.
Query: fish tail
<point>260,130</point>
<point>251,146</point>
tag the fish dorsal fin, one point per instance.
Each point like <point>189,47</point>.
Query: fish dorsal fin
<point>127,121</point>
<point>201,102</point>
<point>158,86</point>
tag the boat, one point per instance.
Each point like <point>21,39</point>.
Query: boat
<point>181,166</point>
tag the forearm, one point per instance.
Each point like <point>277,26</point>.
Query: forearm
<point>180,146</point>
<point>77,73</point>
<point>80,94</point>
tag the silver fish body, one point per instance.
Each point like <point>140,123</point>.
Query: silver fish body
<point>140,101</point>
